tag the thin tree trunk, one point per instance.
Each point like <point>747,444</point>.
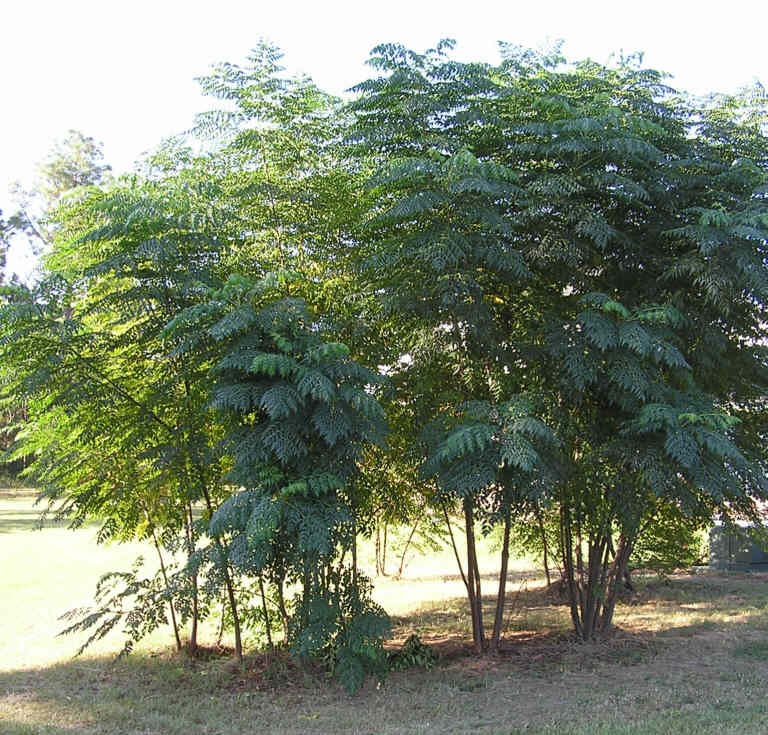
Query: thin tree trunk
<point>189,525</point>
<point>220,546</point>
<point>168,588</point>
<point>233,606</point>
<point>580,586</point>
<point>405,549</point>
<point>281,605</point>
<point>455,548</point>
<point>265,611</point>
<point>545,546</point>
<point>594,589</point>
<point>221,627</point>
<point>616,574</point>
<point>566,544</point>
<point>499,618</point>
<point>475,592</point>
<point>227,582</point>
<point>384,551</point>
<point>354,558</point>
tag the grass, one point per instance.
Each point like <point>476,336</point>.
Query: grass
<point>691,655</point>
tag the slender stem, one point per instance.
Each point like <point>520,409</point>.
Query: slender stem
<point>354,558</point>
<point>281,605</point>
<point>167,587</point>
<point>227,580</point>
<point>499,618</point>
<point>384,551</point>
<point>566,544</point>
<point>189,529</point>
<point>544,544</point>
<point>265,611</point>
<point>473,587</point>
<point>455,549</point>
<point>405,549</point>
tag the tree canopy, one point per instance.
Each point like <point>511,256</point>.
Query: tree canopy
<point>545,281</point>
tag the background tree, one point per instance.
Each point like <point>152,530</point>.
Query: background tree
<point>75,161</point>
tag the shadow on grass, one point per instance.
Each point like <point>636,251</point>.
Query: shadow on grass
<point>24,728</point>
<point>538,630</point>
<point>492,578</point>
<point>12,521</point>
<point>98,695</point>
<point>167,693</point>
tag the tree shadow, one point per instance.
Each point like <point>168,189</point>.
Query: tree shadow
<point>490,577</point>
<point>14,727</point>
<point>538,632</point>
<point>94,695</point>
<point>19,520</point>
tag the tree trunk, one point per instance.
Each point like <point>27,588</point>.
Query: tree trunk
<point>499,618</point>
<point>473,579</point>
<point>221,627</point>
<point>455,549</point>
<point>168,589</point>
<point>233,606</point>
<point>615,576</point>
<point>354,558</point>
<point>265,612</point>
<point>544,545</point>
<point>189,528</point>
<point>281,605</point>
<point>227,581</point>
<point>384,551</point>
<point>405,549</point>
<point>566,545</point>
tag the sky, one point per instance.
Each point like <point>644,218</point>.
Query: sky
<point>124,73</point>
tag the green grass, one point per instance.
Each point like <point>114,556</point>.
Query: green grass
<point>691,656</point>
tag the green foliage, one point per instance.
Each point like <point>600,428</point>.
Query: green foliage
<point>343,627</point>
<point>297,412</point>
<point>672,541</point>
<point>492,446</point>
<point>138,604</point>
<point>561,267</point>
<point>554,231</point>
<point>412,654</point>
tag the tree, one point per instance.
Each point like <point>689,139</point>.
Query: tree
<point>5,235</point>
<point>625,185</point>
<point>120,435</point>
<point>299,412</point>
<point>443,257</point>
<point>74,162</point>
<point>580,234</point>
<point>121,414</point>
<point>561,268</point>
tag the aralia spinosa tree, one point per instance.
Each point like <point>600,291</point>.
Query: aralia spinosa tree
<point>561,267</point>
<point>582,234</point>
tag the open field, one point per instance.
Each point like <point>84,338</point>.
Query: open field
<point>691,655</point>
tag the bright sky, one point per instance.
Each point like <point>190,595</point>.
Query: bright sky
<point>123,72</point>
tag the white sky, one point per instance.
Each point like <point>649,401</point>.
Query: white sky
<point>123,72</point>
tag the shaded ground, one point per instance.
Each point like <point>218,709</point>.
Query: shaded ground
<point>690,656</point>
<point>693,678</point>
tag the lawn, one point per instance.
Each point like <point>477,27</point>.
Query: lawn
<point>690,655</point>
